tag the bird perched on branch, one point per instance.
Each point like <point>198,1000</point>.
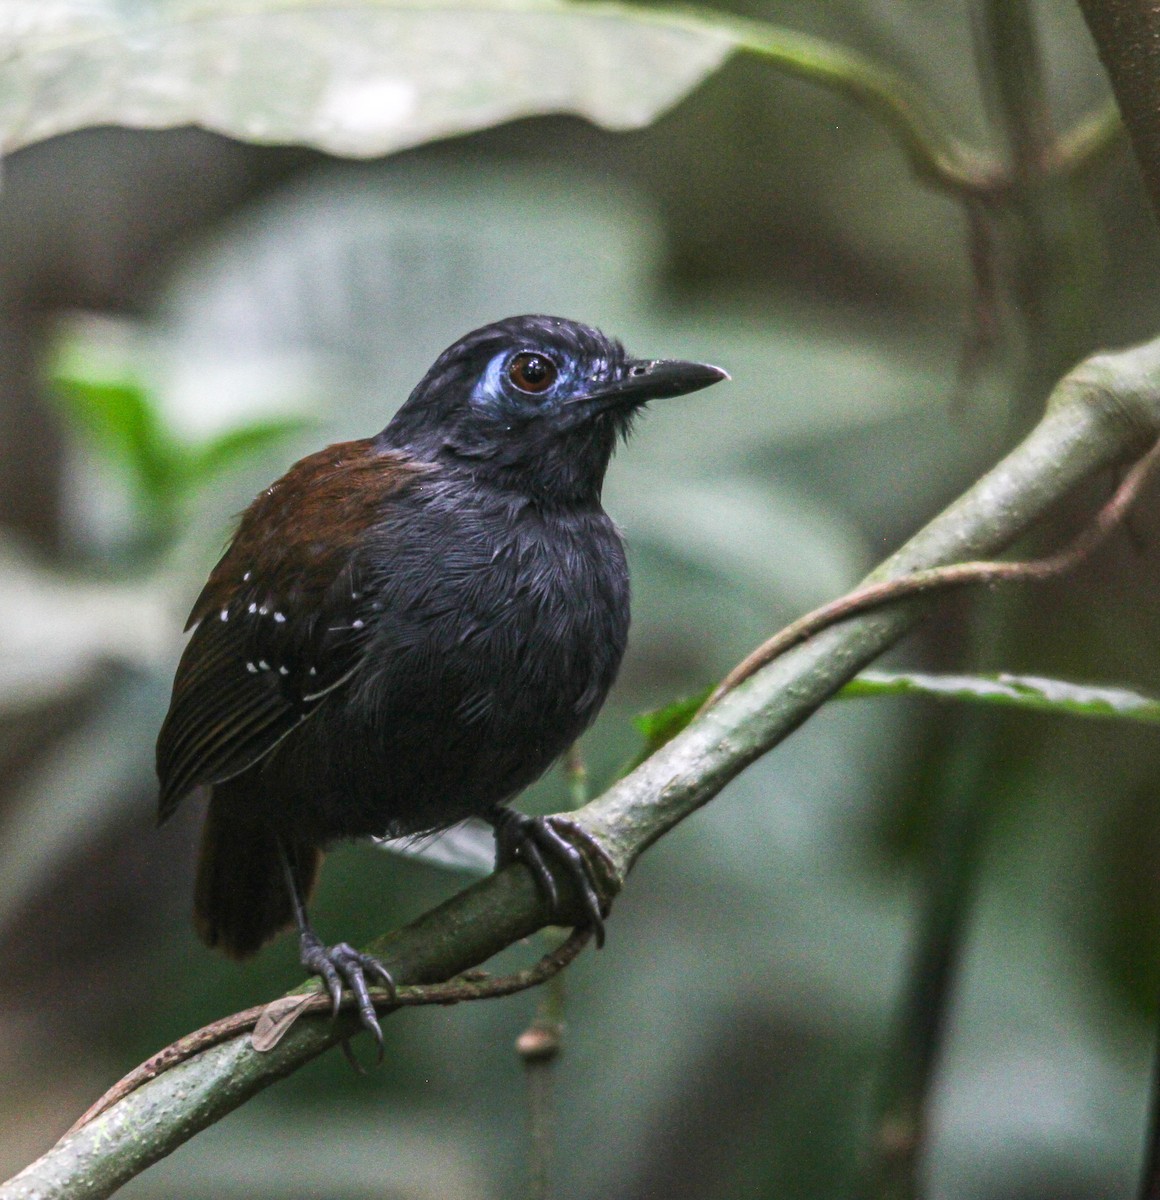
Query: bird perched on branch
<point>409,629</point>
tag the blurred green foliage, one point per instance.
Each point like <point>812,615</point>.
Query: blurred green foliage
<point>123,422</point>
<point>661,725</point>
<point>734,1036</point>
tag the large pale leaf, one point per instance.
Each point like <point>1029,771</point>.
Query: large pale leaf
<point>357,78</point>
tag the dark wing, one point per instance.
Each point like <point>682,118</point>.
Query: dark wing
<point>284,618</point>
<point>244,682</point>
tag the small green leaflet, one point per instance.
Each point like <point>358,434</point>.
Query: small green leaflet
<point>1019,691</point>
<point>1031,692</point>
<point>122,420</point>
<point>663,724</point>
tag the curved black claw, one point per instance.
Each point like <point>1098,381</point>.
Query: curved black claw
<point>543,842</point>
<point>342,964</point>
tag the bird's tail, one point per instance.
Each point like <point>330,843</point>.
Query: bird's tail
<point>240,899</point>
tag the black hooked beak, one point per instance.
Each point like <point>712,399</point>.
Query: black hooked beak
<point>640,380</point>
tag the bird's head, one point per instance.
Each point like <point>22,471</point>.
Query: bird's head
<point>536,403</point>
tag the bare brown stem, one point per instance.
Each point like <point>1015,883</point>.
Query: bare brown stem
<point>475,985</point>
<point>918,583</point>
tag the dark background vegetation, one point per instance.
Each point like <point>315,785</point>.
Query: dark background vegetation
<point>738,1034</point>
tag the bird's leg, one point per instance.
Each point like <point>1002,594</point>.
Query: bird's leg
<point>542,843</point>
<point>337,964</point>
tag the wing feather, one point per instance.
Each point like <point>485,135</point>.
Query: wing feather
<point>283,621</point>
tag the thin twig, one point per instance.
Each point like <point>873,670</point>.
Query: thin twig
<point>983,326</point>
<point>1089,140</point>
<point>475,985</point>
<point>874,595</point>
<point>539,1046</point>
<point>576,776</point>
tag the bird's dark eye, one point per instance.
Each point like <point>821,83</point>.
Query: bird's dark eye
<point>532,372</point>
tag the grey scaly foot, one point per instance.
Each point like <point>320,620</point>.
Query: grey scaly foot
<point>341,965</point>
<point>542,843</point>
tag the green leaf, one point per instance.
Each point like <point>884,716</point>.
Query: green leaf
<point>120,421</point>
<point>207,460</point>
<point>1017,691</point>
<point>661,725</point>
<point>1031,692</point>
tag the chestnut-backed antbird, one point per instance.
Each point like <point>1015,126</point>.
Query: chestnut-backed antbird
<point>407,630</point>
